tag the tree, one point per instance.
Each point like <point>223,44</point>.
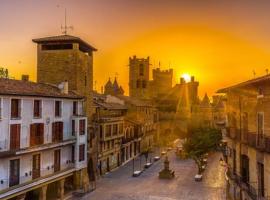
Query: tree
<point>200,142</point>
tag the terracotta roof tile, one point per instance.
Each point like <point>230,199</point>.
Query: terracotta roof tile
<point>67,38</point>
<point>27,88</point>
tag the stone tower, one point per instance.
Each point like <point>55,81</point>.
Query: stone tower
<point>162,82</point>
<point>69,58</point>
<point>139,77</point>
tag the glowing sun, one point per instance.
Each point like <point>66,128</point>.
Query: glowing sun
<point>186,77</point>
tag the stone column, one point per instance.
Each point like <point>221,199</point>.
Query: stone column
<point>61,189</point>
<point>77,180</point>
<point>43,192</point>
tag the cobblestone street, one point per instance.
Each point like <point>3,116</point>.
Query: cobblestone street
<point>120,185</point>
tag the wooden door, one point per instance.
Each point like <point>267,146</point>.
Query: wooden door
<point>36,166</point>
<point>57,154</point>
<point>15,132</point>
<point>14,172</point>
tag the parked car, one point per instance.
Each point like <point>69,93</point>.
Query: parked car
<point>156,158</point>
<point>147,165</point>
<point>137,173</point>
<point>198,177</point>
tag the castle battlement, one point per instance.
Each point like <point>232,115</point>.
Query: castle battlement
<point>163,72</point>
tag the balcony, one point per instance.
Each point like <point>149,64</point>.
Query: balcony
<point>127,140</point>
<point>27,183</point>
<point>27,146</point>
<point>246,186</point>
<point>107,118</point>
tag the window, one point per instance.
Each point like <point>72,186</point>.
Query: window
<point>57,160</point>
<point>58,109</point>
<point>144,84</point>
<point>73,127</point>
<point>14,172</point>
<point>245,168</point>
<point>138,84</point>
<point>75,108</point>
<point>57,131</point>
<point>73,154</point>
<point>260,123</point>
<point>115,129</point>
<point>141,70</point>
<point>260,91</point>
<point>121,128</point>
<point>15,108</point>
<point>37,108</point>
<point>101,131</point>
<point>82,127</point>
<point>36,134</point>
<point>81,152</point>
<point>108,130</point>
<point>56,46</point>
<point>261,180</point>
<point>36,166</point>
<point>15,134</point>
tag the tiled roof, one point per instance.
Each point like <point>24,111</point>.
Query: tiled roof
<point>110,106</point>
<point>246,83</point>
<point>27,88</point>
<point>66,38</point>
<point>135,101</point>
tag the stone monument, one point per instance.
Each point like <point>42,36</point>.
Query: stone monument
<point>166,173</point>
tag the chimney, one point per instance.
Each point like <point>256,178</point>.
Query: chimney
<point>182,80</point>
<point>63,87</point>
<point>192,79</point>
<point>25,77</point>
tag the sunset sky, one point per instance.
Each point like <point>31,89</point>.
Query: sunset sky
<point>220,42</point>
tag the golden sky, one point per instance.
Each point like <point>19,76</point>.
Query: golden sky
<point>219,42</point>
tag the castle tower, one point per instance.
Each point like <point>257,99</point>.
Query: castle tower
<point>162,81</point>
<point>139,77</point>
<point>69,58</point>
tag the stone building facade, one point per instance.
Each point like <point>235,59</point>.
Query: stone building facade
<point>113,88</point>
<point>69,58</point>
<point>43,144</point>
<point>109,118</point>
<point>248,139</point>
<point>139,77</point>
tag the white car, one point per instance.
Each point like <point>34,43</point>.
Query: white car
<point>198,177</point>
<point>156,158</point>
<point>137,173</point>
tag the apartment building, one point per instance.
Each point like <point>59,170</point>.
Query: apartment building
<point>141,123</point>
<point>248,139</point>
<point>43,140</point>
<point>109,118</point>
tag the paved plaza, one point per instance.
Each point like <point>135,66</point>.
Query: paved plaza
<point>120,185</point>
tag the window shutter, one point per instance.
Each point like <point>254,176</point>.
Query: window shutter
<point>61,131</point>
<point>41,133</point>
<point>53,132</point>
<point>32,134</point>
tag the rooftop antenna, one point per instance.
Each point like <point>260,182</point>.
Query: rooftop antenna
<point>254,73</point>
<point>95,87</point>
<point>66,27</point>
